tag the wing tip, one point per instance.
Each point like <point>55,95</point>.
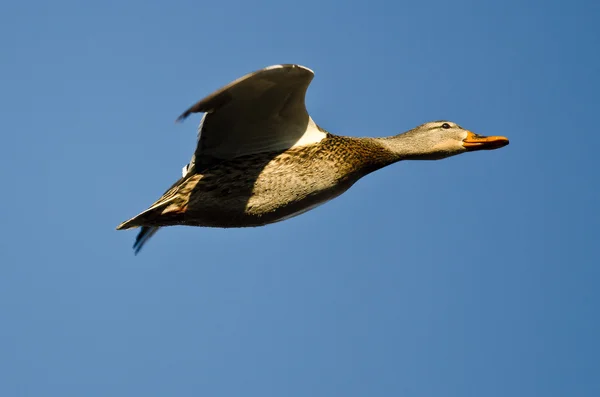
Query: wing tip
<point>220,97</point>
<point>183,116</point>
<point>291,66</point>
<point>287,65</point>
<point>306,68</point>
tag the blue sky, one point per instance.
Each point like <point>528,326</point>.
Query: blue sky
<point>472,276</point>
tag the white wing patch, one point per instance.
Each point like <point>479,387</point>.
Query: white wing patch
<point>312,135</point>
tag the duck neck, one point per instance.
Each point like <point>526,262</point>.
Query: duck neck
<point>405,146</point>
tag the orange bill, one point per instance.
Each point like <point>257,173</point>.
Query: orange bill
<point>478,142</point>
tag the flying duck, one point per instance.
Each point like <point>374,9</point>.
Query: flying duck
<point>260,158</point>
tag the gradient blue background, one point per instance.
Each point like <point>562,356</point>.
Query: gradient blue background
<point>472,276</point>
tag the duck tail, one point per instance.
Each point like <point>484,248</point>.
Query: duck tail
<point>143,236</point>
<point>167,207</point>
<point>146,219</point>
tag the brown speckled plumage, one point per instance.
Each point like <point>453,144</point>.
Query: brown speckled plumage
<point>242,174</point>
<point>258,189</point>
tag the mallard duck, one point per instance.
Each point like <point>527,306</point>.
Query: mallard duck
<point>260,158</point>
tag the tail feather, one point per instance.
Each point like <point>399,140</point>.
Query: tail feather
<point>143,236</point>
<point>149,217</point>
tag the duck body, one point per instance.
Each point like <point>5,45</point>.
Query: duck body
<point>260,158</point>
<point>260,189</point>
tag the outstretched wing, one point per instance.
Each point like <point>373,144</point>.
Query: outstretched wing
<point>261,112</point>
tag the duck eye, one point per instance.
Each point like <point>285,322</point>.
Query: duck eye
<point>445,126</point>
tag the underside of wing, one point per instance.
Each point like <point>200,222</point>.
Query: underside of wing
<point>260,112</point>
